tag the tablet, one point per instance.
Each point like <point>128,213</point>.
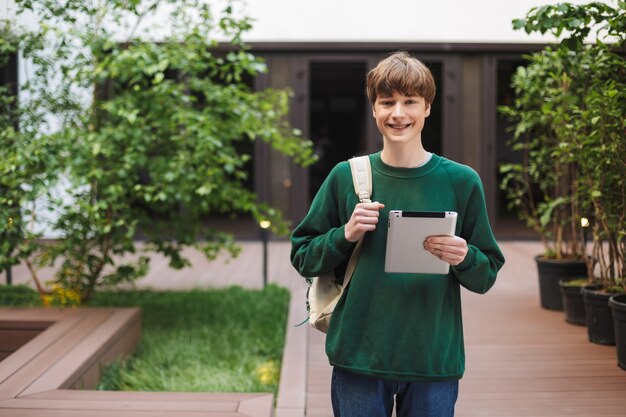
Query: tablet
<point>406,233</point>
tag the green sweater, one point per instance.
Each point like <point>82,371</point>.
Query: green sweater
<point>404,327</point>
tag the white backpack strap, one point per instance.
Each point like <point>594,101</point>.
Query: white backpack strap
<point>362,177</point>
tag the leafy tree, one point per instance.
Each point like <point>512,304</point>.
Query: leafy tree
<point>574,23</point>
<point>27,166</point>
<point>543,188</point>
<point>603,143</point>
<point>581,124</point>
<point>148,131</point>
<point>10,230</point>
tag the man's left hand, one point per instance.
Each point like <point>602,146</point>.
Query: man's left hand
<point>450,249</point>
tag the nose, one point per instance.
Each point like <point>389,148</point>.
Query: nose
<point>398,110</point>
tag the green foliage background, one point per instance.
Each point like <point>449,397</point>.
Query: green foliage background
<point>143,136</point>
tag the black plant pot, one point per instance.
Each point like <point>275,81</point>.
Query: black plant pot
<point>618,305</point>
<point>550,272</point>
<point>599,315</point>
<point>573,304</point>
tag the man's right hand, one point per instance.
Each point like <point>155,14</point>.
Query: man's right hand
<point>364,219</point>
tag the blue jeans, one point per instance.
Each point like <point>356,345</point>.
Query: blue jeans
<point>362,396</point>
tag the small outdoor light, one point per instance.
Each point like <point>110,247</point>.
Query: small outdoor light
<point>584,222</point>
<point>265,225</point>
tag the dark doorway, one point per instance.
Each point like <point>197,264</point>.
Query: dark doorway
<point>8,72</point>
<point>9,83</point>
<point>337,115</point>
<point>508,223</point>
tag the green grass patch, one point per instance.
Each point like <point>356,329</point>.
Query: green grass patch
<point>226,340</point>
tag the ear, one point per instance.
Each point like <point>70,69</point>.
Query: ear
<point>427,110</point>
<point>374,112</point>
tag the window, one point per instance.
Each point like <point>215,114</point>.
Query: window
<point>506,68</point>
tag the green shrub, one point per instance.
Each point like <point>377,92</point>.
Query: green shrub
<point>146,129</point>
<point>19,296</point>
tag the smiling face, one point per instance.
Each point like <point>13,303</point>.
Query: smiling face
<point>401,118</point>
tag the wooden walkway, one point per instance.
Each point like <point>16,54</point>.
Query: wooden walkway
<point>51,358</point>
<point>521,360</point>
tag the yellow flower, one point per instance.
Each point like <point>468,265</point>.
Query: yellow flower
<point>268,372</point>
<point>63,297</point>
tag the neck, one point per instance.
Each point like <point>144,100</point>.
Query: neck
<point>411,156</point>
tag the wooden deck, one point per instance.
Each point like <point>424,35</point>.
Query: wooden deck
<point>53,357</point>
<point>521,360</point>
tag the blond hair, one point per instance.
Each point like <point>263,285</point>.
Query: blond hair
<point>402,73</point>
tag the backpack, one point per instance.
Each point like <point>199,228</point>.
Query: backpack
<point>325,291</point>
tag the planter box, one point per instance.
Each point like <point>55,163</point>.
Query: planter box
<point>54,356</point>
<point>573,303</point>
<point>618,305</point>
<point>599,315</point>
<point>551,272</point>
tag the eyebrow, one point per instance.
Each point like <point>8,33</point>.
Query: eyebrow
<point>410,97</point>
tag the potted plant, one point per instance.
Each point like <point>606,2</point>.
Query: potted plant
<point>573,301</point>
<point>603,179</point>
<point>618,306</point>
<point>598,142</point>
<point>556,124</point>
<point>543,188</point>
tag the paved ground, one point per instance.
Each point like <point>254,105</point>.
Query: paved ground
<point>245,270</point>
<point>522,360</point>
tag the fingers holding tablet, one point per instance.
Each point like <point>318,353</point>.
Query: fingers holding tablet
<point>450,249</point>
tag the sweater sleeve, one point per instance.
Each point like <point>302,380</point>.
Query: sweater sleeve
<point>318,243</point>
<point>484,259</point>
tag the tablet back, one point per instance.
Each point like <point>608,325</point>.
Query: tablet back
<point>406,233</point>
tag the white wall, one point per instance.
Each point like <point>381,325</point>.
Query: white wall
<point>391,21</point>
<point>6,8</point>
<point>419,21</point>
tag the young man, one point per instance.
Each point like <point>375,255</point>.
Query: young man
<point>398,336</point>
